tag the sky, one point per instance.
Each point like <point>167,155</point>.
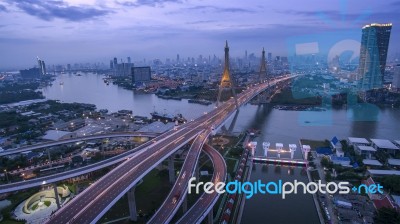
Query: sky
<point>73,31</point>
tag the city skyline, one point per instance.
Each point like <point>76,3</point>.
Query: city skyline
<point>70,31</point>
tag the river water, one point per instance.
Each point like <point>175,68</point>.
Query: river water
<point>275,125</point>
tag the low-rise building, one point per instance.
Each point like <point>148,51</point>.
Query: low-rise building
<point>55,135</point>
<point>395,163</point>
<point>365,151</point>
<point>344,161</point>
<point>372,163</point>
<point>379,173</point>
<point>324,151</point>
<point>352,141</point>
<point>384,144</point>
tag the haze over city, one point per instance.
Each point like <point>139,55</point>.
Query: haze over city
<point>69,31</point>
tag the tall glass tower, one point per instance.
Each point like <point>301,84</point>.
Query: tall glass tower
<point>373,53</point>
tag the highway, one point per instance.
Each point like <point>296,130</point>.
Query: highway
<point>91,204</point>
<point>206,202</point>
<point>178,193</point>
<point>73,140</point>
<point>21,185</point>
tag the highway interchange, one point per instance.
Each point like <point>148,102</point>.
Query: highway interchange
<point>90,205</point>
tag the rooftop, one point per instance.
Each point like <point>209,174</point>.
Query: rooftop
<point>55,135</point>
<point>384,143</point>
<point>340,158</point>
<point>366,148</point>
<point>324,150</point>
<point>394,162</point>
<point>157,127</point>
<point>372,162</point>
<point>358,140</point>
<point>384,172</point>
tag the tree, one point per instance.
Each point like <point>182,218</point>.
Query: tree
<point>392,183</point>
<point>386,216</point>
<point>326,163</point>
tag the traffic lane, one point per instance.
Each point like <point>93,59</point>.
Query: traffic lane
<point>89,194</point>
<point>99,183</point>
<point>99,203</point>
<point>177,193</point>
<point>206,200</point>
<point>68,141</point>
<point>70,173</point>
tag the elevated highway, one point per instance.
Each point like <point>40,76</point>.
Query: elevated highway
<point>91,205</point>
<point>73,140</point>
<point>206,202</point>
<point>21,185</point>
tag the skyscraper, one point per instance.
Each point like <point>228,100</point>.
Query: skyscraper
<point>373,53</point>
<point>42,66</point>
<point>129,60</point>
<point>115,62</point>
<point>396,78</point>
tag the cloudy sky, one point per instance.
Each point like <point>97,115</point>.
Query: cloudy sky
<point>69,31</point>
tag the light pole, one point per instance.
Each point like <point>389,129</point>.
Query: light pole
<point>5,171</point>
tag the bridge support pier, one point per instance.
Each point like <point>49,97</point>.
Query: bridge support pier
<point>48,154</point>
<point>210,217</point>
<point>171,169</point>
<point>56,196</point>
<point>132,204</point>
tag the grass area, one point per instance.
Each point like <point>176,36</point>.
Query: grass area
<point>10,221</point>
<point>149,196</point>
<point>16,199</point>
<point>230,166</point>
<point>314,143</point>
<point>286,97</point>
<point>47,203</point>
<point>35,206</point>
<point>71,187</point>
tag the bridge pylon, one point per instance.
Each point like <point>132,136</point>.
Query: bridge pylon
<point>227,82</point>
<point>263,68</point>
<point>263,98</point>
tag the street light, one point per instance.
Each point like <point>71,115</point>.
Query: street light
<point>5,171</point>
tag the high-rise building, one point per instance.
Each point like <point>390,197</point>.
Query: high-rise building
<point>123,69</point>
<point>41,66</point>
<point>396,78</point>
<point>373,53</point>
<point>111,64</point>
<point>31,73</point>
<point>129,60</point>
<point>115,62</point>
<point>177,58</point>
<point>269,56</point>
<point>141,75</point>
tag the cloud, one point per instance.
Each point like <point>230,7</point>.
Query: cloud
<point>201,22</point>
<point>3,8</point>
<point>151,3</point>
<point>49,10</point>
<point>209,8</point>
